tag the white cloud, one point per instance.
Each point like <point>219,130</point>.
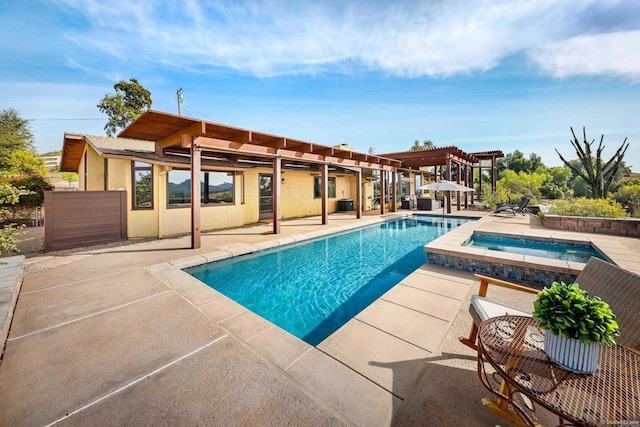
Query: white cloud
<point>403,38</point>
<point>615,54</point>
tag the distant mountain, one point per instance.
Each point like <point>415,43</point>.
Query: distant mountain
<point>185,187</point>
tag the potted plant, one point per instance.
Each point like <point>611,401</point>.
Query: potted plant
<point>576,324</point>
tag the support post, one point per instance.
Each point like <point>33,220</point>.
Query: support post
<point>394,190</point>
<point>383,183</point>
<point>325,194</point>
<point>195,190</point>
<point>479,183</point>
<point>448,178</point>
<point>358,201</point>
<point>458,180</point>
<point>494,174</point>
<point>277,191</point>
<point>466,184</point>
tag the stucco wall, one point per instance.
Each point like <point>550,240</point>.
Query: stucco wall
<point>95,170</point>
<point>297,198</point>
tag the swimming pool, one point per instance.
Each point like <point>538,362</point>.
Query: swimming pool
<point>546,248</point>
<point>312,288</point>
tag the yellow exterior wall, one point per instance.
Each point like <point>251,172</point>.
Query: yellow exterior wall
<point>296,198</point>
<point>140,222</point>
<point>95,170</point>
<point>117,171</point>
<point>251,207</point>
<point>173,221</point>
<point>297,194</point>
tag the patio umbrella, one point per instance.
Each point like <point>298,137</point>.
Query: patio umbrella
<point>444,185</point>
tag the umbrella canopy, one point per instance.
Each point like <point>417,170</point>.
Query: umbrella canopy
<point>445,185</point>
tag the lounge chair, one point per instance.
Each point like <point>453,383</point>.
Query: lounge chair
<point>617,287</point>
<point>514,209</point>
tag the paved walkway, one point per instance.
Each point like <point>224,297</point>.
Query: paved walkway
<point>123,336</point>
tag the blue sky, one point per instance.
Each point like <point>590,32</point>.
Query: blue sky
<point>479,75</point>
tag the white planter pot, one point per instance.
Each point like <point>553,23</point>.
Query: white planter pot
<point>572,353</point>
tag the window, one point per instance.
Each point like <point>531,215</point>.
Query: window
<point>215,187</point>
<point>317,187</point>
<point>142,185</point>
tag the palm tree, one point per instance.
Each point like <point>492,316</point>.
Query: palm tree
<point>596,174</point>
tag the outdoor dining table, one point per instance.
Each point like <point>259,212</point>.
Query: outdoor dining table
<point>513,346</point>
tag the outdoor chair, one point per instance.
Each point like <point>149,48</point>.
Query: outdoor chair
<point>514,209</point>
<point>614,285</point>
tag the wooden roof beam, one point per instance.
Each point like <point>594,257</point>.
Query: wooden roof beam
<point>244,137</point>
<point>323,151</point>
<point>276,143</point>
<point>196,129</point>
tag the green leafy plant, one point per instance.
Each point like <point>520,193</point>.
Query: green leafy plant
<point>571,312</point>
<point>7,238</point>
<point>600,208</point>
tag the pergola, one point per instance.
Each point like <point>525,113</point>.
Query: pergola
<point>442,159</point>
<point>198,139</point>
<point>487,161</point>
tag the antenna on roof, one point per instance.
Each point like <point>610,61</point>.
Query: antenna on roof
<point>180,98</point>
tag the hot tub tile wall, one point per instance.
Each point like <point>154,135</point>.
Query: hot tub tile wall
<point>520,273</point>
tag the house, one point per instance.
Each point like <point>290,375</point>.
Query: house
<point>245,176</point>
<point>242,176</point>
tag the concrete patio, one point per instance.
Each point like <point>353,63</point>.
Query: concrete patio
<point>123,336</point>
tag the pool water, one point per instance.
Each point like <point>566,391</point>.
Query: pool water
<point>568,251</point>
<point>312,288</point>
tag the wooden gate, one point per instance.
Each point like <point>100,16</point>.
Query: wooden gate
<point>82,218</point>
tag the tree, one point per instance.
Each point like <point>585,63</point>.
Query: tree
<point>517,162</point>
<point>521,183</point>
<point>15,134</point>
<point>69,177</point>
<point>597,175</point>
<point>25,162</point>
<point>127,104</point>
<point>427,144</point>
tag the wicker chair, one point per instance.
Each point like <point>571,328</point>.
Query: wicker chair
<point>617,287</point>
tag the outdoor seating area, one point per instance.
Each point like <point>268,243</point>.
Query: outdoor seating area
<point>397,362</point>
<point>616,286</point>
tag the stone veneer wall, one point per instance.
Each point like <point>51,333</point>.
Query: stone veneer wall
<point>499,270</point>
<point>616,226</point>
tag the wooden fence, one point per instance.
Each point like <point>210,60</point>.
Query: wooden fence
<point>82,218</point>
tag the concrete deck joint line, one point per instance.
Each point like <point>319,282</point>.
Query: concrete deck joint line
<point>78,281</point>
<point>48,328</point>
<point>417,311</point>
<point>361,374</point>
<point>299,357</point>
<point>393,335</point>
<point>126,386</point>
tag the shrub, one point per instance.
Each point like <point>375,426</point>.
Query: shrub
<point>7,238</point>
<point>629,197</point>
<point>600,208</point>
<point>551,191</point>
